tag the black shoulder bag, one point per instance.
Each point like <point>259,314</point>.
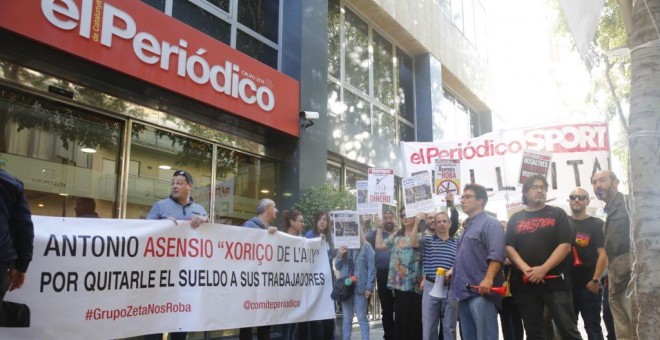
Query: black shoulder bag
<point>340,291</point>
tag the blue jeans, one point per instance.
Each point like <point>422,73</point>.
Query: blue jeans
<point>358,305</point>
<point>434,310</point>
<point>478,319</point>
<point>588,304</point>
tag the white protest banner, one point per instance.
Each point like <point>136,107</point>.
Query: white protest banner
<point>417,194</point>
<point>381,185</point>
<point>493,159</point>
<point>346,228</point>
<point>364,207</point>
<point>106,278</point>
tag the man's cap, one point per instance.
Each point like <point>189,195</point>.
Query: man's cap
<point>185,174</point>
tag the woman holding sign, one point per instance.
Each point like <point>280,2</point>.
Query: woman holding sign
<point>322,329</point>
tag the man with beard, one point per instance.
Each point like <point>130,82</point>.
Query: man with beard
<point>385,295</point>
<point>589,247</point>
<point>538,239</point>
<point>617,247</point>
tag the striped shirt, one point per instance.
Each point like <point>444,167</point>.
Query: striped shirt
<point>437,253</point>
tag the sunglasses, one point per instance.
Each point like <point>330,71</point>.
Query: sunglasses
<point>184,174</point>
<point>578,197</point>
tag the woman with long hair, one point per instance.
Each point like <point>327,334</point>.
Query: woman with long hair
<point>292,223</point>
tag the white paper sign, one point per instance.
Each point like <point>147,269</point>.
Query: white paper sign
<point>346,228</point>
<point>417,194</point>
<point>364,207</point>
<point>381,185</point>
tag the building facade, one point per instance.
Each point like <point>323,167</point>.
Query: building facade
<point>105,99</point>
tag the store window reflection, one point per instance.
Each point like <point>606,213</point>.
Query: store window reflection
<point>60,153</point>
<point>241,181</point>
<point>155,155</point>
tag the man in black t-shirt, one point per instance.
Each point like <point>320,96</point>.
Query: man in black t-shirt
<point>589,260</point>
<point>538,239</point>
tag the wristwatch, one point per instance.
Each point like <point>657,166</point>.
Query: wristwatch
<point>596,281</point>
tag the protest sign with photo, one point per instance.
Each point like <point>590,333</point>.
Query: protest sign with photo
<point>534,163</point>
<point>417,192</point>
<point>346,228</point>
<point>364,207</point>
<point>381,185</point>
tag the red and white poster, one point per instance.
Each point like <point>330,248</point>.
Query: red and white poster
<point>380,185</point>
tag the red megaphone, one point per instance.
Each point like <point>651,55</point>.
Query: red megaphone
<point>576,258</point>
<point>499,290</point>
<point>547,277</point>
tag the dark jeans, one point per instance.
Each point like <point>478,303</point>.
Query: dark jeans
<point>3,289</point>
<point>263,333</point>
<point>173,336</point>
<point>560,305</point>
<point>321,329</point>
<point>588,304</point>
<point>386,297</point>
<point>408,311</point>
<point>512,326</point>
<point>607,313</point>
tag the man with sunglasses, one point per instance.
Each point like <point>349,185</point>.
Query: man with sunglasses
<point>589,260</point>
<point>617,248</point>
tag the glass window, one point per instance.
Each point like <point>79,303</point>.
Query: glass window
<point>457,13</point>
<point>406,132</point>
<point>256,49</point>
<point>334,38</point>
<point>475,127</point>
<point>260,16</point>
<point>333,175</point>
<point>357,111</point>
<point>222,4</point>
<point>468,20</point>
<point>445,6</point>
<point>241,181</point>
<point>157,4</point>
<point>480,28</point>
<point>336,108</point>
<point>356,51</point>
<point>384,125</point>
<point>353,176</point>
<point>383,70</point>
<point>62,154</point>
<point>202,20</point>
<point>159,153</point>
<point>405,88</point>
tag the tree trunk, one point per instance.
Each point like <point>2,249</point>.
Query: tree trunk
<point>644,143</point>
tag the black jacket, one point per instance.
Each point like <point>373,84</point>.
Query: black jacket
<point>16,229</point>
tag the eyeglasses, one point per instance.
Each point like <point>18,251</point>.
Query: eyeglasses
<point>578,197</point>
<point>467,197</point>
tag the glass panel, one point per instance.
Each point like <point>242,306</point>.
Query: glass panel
<point>334,38</point>
<point>336,108</point>
<point>261,17</point>
<point>352,177</point>
<point>202,20</point>
<point>405,90</point>
<point>444,6</point>
<point>406,132</point>
<point>457,13</point>
<point>468,17</point>
<point>357,111</point>
<point>474,124</point>
<point>222,4</point>
<point>157,4</point>
<point>241,181</point>
<point>333,175</point>
<point>383,70</point>
<point>480,28</point>
<point>61,154</point>
<point>158,153</point>
<point>256,49</point>
<point>357,51</point>
<point>384,125</point>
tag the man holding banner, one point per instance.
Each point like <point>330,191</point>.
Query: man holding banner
<point>538,239</point>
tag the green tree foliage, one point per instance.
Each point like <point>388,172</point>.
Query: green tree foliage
<point>326,197</point>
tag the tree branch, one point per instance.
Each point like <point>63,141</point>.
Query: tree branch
<point>610,85</point>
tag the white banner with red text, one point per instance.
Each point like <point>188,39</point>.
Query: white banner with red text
<point>108,278</point>
<point>494,159</point>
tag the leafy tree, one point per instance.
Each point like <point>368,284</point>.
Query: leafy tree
<point>325,197</point>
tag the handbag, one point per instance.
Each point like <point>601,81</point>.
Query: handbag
<point>18,314</point>
<point>340,291</point>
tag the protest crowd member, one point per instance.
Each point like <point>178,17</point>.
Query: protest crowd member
<point>85,207</point>
<point>479,257</point>
<point>178,206</point>
<point>438,251</point>
<point>617,247</point>
<point>538,239</point>
<point>388,226</point>
<point>322,329</point>
<point>266,214</point>
<point>588,263</point>
<point>405,275</point>
<point>364,269</point>
<point>16,237</point>
<point>293,224</point>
